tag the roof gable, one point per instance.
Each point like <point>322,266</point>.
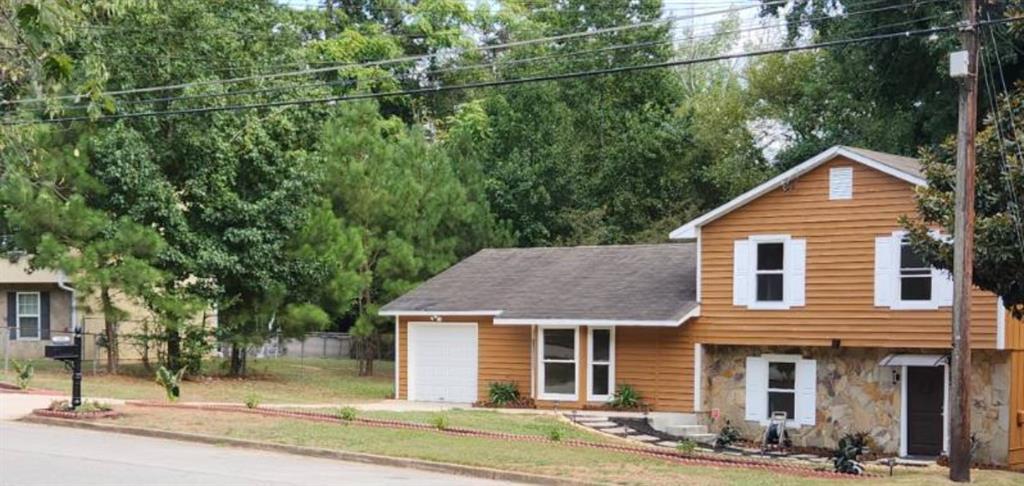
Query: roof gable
<point>903,168</point>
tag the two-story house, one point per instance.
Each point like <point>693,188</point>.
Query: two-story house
<point>799,296</point>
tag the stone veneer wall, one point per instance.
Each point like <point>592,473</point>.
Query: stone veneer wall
<point>855,394</point>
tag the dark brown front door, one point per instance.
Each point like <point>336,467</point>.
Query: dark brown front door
<point>924,410</point>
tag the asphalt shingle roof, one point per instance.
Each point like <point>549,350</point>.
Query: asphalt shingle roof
<point>907,165</point>
<point>627,282</point>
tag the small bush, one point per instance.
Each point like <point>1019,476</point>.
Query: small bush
<point>440,421</point>
<point>170,381</point>
<point>851,447</point>
<point>503,392</point>
<point>23,373</point>
<point>252,400</point>
<point>347,414</point>
<point>686,446</point>
<point>625,397</point>
<point>86,406</point>
<point>556,433</point>
<point>727,436</point>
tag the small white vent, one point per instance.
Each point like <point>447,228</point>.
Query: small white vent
<point>840,183</point>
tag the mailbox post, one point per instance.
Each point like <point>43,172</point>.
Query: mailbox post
<point>71,356</point>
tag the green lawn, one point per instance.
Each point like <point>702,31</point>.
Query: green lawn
<point>492,421</point>
<point>540,458</point>
<point>279,380</point>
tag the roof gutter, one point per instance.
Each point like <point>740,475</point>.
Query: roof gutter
<point>62,284</point>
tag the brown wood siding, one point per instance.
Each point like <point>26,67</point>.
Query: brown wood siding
<point>658,362</point>
<point>1016,459</point>
<point>1014,332</point>
<point>840,270</point>
<point>503,353</point>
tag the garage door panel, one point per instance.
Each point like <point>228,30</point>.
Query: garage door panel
<point>443,362</point>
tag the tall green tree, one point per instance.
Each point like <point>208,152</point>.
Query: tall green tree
<point>401,195</point>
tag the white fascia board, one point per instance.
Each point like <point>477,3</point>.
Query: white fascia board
<point>1000,324</point>
<point>597,322</point>
<point>688,231</point>
<point>439,313</point>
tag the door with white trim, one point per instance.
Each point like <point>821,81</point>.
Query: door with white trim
<point>443,362</point>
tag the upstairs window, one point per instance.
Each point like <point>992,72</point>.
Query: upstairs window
<point>904,281</point>
<point>769,271</point>
<point>915,275</point>
<point>770,267</point>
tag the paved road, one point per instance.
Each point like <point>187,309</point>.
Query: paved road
<point>32,455</point>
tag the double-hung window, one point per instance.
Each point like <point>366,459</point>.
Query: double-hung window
<point>915,275</point>
<point>904,280</point>
<point>770,266</point>
<point>559,351</point>
<point>601,355</point>
<point>782,388</point>
<point>769,272</point>
<point>28,318</point>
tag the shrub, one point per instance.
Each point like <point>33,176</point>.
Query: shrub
<point>347,414</point>
<point>86,406</point>
<point>851,447</point>
<point>556,433</point>
<point>440,421</point>
<point>625,397</point>
<point>170,381</point>
<point>503,392</point>
<point>727,436</point>
<point>686,446</point>
<point>23,373</point>
<point>252,400</point>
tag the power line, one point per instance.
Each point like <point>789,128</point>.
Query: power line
<point>496,83</point>
<point>573,35</point>
<point>496,64</point>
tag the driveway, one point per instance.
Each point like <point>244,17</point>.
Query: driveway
<point>34,455</point>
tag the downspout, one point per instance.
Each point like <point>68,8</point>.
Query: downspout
<point>62,284</point>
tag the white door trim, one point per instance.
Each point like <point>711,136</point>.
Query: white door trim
<point>590,364</point>
<point>904,378</point>
<point>411,359</point>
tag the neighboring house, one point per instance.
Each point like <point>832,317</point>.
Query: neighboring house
<point>40,304</point>
<point>798,296</point>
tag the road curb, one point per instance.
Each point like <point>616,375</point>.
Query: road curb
<point>439,467</point>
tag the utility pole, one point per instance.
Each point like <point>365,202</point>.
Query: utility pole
<point>964,63</point>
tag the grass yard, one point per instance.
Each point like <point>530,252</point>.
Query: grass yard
<point>279,380</point>
<point>541,458</point>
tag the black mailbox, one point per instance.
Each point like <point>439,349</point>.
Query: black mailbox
<point>62,351</point>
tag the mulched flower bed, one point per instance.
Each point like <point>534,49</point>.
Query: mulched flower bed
<point>71,414</point>
<point>521,403</point>
<point>605,407</point>
<point>661,453</point>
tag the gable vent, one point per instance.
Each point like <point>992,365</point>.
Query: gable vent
<point>840,183</point>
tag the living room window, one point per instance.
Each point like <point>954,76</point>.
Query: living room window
<point>601,356</point>
<point>782,388</point>
<point>559,352</point>
<point>28,316</point>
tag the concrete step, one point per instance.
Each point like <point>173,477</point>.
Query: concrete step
<point>708,439</point>
<point>686,430</point>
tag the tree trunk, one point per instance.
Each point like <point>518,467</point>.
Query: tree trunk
<point>238,356</point>
<point>110,325</point>
<point>173,350</point>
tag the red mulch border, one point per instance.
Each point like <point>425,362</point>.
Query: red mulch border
<point>70,414</point>
<point>670,455</point>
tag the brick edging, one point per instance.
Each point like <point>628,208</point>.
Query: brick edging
<point>698,459</point>
<point>431,466</point>
<point>71,414</point>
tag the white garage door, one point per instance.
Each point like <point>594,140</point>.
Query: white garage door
<point>442,362</point>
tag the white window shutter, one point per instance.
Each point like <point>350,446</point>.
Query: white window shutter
<point>742,272</point>
<point>942,288</point>
<point>795,272</point>
<point>886,270</point>
<point>806,391</point>
<point>757,389</point>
